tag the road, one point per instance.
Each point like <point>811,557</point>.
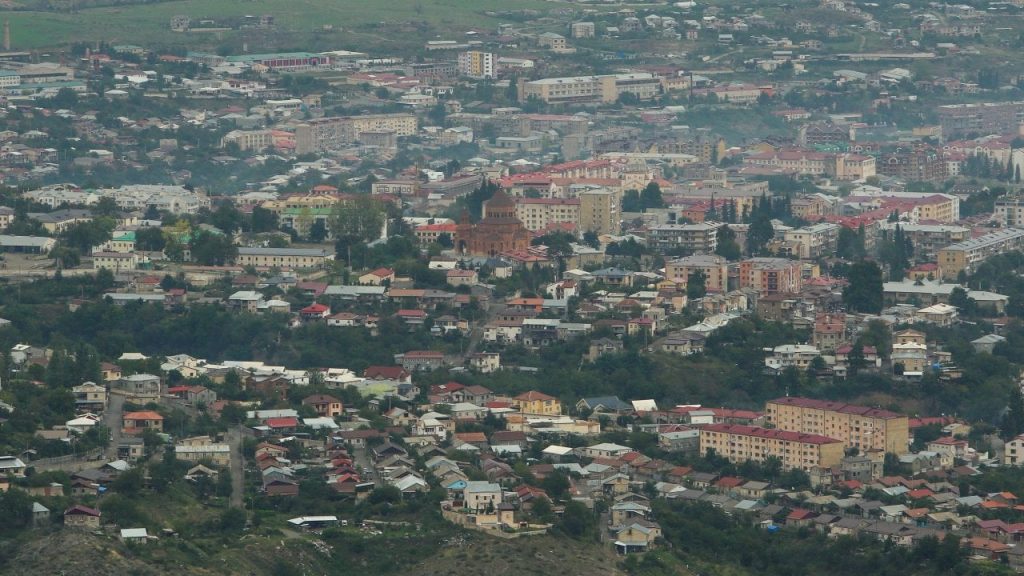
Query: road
<point>361,458</point>
<point>112,420</point>
<point>237,467</point>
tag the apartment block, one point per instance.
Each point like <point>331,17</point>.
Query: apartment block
<point>814,241</point>
<point>859,427</point>
<point>695,238</point>
<point>332,133</point>
<point>981,118</point>
<point>966,255</point>
<point>477,64</point>
<point>538,213</point>
<point>771,275</point>
<point>928,239</point>
<point>714,267</point>
<point>249,139</point>
<point>1010,211</point>
<point>600,211</point>
<point>794,449</point>
<point>591,89</point>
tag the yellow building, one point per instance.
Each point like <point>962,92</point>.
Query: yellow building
<point>794,449</point>
<point>477,64</point>
<point>714,267</point>
<point>966,255</point>
<point>539,213</point>
<point>534,402</point>
<point>603,89</point>
<point>600,211</point>
<point>860,427</point>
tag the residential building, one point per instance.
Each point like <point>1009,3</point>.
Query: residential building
<point>715,269</point>
<point>333,133</point>
<point>79,516</point>
<point>246,140</point>
<point>1013,452</point>
<point>980,118</point>
<point>481,496</point>
<point>203,448</point>
<point>324,405</point>
<point>693,238</point>
<point>771,275</point>
<point>591,89</point>
<point>859,427</point>
<point>538,403</point>
<point>795,450</point>
<point>965,256</point>
<point>600,211</point>
<point>137,422</point>
<point>813,241</point>
<point>540,213</point>
<point>797,356</point>
<point>90,397</point>
<point>476,64</point>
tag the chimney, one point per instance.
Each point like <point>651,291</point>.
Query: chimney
<point>7,35</point>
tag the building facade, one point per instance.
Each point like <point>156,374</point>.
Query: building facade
<point>859,427</point>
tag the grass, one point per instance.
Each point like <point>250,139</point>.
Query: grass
<point>150,24</point>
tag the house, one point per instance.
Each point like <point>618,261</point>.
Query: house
<point>485,362</point>
<point>79,516</point>
<point>459,277</point>
<point>480,496</point>
<point>90,397</point>
<point>137,422</point>
<point>604,404</point>
<point>637,536</point>
<point>538,403</point>
<point>324,405</point>
<point>396,373</point>
<point>40,514</point>
<point>415,360</point>
<point>140,388</point>
<point>134,535</point>
<point>12,466</point>
<point>203,448</point>
<point>938,314</point>
<point>602,346</point>
<point>378,277</point>
<point>281,487</point>
<point>315,311</point>
<point>605,450</point>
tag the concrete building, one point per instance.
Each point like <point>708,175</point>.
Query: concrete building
<point>539,213</point>
<point>600,211</point>
<point>965,256</point>
<point>333,133</point>
<point>795,450</point>
<point>284,257</point>
<point>859,427</point>
<point>771,275</point>
<point>980,118</point>
<point>249,139</point>
<point>591,89</point>
<point>477,64</point>
<point>714,267</point>
<point>694,238</point>
<point>813,241</point>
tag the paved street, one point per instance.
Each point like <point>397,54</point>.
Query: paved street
<point>237,467</point>
<point>112,420</point>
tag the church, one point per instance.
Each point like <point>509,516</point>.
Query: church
<point>498,231</point>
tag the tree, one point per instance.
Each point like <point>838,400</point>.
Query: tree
<point>966,305</point>
<point>318,231</point>
<point>1013,421</point>
<point>761,230</point>
<point>855,359</point>
<point>150,239</point>
<point>650,196</point>
<point>850,243</point>
<point>696,285</point>
<point>263,220</point>
<point>577,520</point>
<point>355,221</point>
<point>106,206</point>
<point>726,246</point>
<point>211,249</point>
<point>864,291</point>
<point>227,218</point>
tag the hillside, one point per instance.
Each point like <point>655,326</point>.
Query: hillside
<point>352,23</point>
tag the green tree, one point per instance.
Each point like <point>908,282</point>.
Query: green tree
<point>727,247</point>
<point>864,291</point>
<point>211,249</point>
<point>577,520</point>
<point>1013,421</point>
<point>696,285</point>
<point>357,221</point>
<point>150,239</point>
<point>263,220</point>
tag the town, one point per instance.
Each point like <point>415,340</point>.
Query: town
<point>671,288</point>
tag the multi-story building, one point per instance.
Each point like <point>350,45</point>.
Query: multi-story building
<point>249,139</point>
<point>477,64</point>
<point>695,238</point>
<point>981,118</point>
<point>600,211</point>
<point>965,256</point>
<point>534,402</point>
<point>829,332</point>
<point>771,275</point>
<point>331,133</point>
<point>795,450</point>
<point>591,89</point>
<point>814,241</point>
<point>928,239</point>
<point>913,165</point>
<point>1010,210</point>
<point>539,213</point>
<point>203,448</point>
<point>797,356</point>
<point>714,267</point>
<point>1013,452</point>
<point>583,29</point>
<point>859,427</point>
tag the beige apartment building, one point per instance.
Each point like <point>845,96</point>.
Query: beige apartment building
<point>600,89</point>
<point>539,213</point>
<point>815,240</point>
<point>859,427</point>
<point>794,449</point>
<point>322,134</point>
<point>600,211</point>
<point>968,254</point>
<point>249,139</point>
<point>199,448</point>
<point>771,275</point>
<point>714,267</point>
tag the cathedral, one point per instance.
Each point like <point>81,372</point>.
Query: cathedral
<point>498,231</point>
